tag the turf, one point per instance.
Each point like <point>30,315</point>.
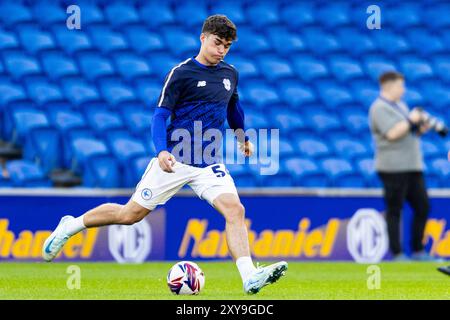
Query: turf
<point>147,281</point>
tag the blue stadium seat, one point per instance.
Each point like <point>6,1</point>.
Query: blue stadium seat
<point>415,69</point>
<point>391,43</point>
<point>12,14</point>
<point>334,15</point>
<point>84,150</point>
<point>256,120</point>
<point>125,148</point>
<point>103,121</point>
<point>8,40</point>
<point>155,14</point>
<point>162,63</point>
<point>233,10</point>
<point>95,66</point>
<point>260,94</point>
<point>345,69</point>
<point>366,167</point>
<point>148,91</point>
<point>434,17</point>
<point>48,13</point>
<point>442,168</point>
<point>322,122</point>
<point>180,42</point>
<point>20,65</point>
<point>10,92</point>
<point>306,173</point>
<point>131,66</point>
<point>313,148</point>
<point>191,13</point>
<point>121,14</point>
<point>295,94</point>
<point>355,122</point>
<point>403,16</point>
<point>143,41</point>
<point>441,66</point>
<point>263,14</point>
<point>43,146</point>
<point>79,91</point>
<point>377,65</point>
<point>116,92</point>
<point>309,68</point>
<point>432,149</point>
<point>43,92</point>
<point>72,41</point>
<point>298,14</point>
<point>91,14</point>
<point>349,148</point>
<point>36,41</point>
<point>24,173</point>
<point>58,66</point>
<point>288,121</point>
<point>425,42</point>
<point>66,120</point>
<point>246,67</point>
<point>364,92</point>
<point>320,42</point>
<point>414,97</point>
<point>285,42</point>
<point>138,121</point>
<point>242,176</point>
<point>25,120</point>
<point>437,94</point>
<point>333,95</point>
<point>286,148</point>
<point>251,42</point>
<point>354,42</point>
<point>104,172</point>
<point>108,41</point>
<point>341,173</point>
<point>274,68</point>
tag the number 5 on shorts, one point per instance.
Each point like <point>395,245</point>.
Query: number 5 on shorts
<point>219,173</point>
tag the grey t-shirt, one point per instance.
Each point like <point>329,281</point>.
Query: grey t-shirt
<point>400,155</point>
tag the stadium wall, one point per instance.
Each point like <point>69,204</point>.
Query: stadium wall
<point>293,224</point>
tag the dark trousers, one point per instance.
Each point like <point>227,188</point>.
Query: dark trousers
<point>399,187</point>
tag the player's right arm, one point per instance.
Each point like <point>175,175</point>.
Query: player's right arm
<point>166,104</point>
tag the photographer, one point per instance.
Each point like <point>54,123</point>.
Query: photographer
<point>399,162</point>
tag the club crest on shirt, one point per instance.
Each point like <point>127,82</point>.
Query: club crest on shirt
<point>227,84</point>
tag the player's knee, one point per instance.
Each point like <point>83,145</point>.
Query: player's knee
<point>235,212</point>
<point>132,216</point>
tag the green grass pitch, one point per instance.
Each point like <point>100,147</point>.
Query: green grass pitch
<point>308,280</point>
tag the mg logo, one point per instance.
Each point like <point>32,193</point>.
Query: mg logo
<point>367,239</point>
<point>130,244</point>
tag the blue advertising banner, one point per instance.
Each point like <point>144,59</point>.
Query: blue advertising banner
<point>293,227</point>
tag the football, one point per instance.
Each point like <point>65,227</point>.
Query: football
<point>185,278</point>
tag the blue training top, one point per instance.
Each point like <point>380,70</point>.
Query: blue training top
<point>195,92</point>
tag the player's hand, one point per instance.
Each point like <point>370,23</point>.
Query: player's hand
<point>247,148</point>
<point>415,116</point>
<point>166,161</point>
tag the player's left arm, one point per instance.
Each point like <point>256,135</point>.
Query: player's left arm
<point>236,120</point>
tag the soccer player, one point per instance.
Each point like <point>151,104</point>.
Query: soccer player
<point>202,88</point>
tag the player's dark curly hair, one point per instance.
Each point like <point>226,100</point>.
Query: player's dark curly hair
<point>221,26</point>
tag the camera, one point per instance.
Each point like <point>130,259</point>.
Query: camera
<point>433,122</point>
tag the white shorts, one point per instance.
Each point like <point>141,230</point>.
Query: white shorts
<point>157,186</point>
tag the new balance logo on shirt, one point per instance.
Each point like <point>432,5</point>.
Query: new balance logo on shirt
<point>201,84</point>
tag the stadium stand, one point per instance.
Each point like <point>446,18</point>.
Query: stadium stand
<point>82,100</point>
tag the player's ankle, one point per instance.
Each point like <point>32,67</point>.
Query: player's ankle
<point>246,267</point>
<point>73,226</point>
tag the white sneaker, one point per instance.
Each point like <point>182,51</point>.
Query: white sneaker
<point>54,243</point>
<point>264,276</point>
